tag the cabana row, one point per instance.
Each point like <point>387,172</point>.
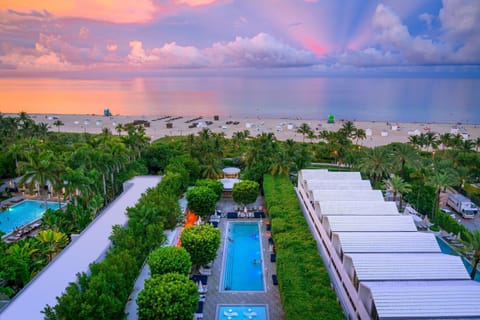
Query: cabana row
<point>376,256</point>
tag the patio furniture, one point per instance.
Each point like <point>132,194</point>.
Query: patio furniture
<point>273,257</point>
<point>274,279</point>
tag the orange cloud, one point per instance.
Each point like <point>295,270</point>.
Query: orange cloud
<point>125,11</point>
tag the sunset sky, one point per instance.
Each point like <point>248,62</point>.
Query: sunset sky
<point>130,37</point>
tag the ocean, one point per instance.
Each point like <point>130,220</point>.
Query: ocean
<point>370,99</point>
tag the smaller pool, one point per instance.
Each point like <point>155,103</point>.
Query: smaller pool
<point>230,312</point>
<point>445,247</point>
<point>23,213</point>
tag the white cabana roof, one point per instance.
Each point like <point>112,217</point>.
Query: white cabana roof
<point>228,183</point>
<point>309,174</point>
<point>338,184</point>
<point>423,299</point>
<point>369,223</point>
<point>77,256</point>
<point>347,195</point>
<point>231,170</point>
<point>407,266</point>
<point>361,208</point>
<point>393,242</point>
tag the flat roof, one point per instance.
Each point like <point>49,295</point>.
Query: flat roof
<point>425,299</point>
<point>370,223</point>
<point>328,184</point>
<point>309,174</point>
<point>394,242</point>
<point>347,195</point>
<point>231,170</point>
<point>77,256</point>
<point>361,208</point>
<point>408,266</point>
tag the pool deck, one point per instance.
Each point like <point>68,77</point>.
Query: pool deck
<point>214,297</point>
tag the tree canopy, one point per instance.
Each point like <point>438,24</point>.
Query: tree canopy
<point>169,296</point>
<point>202,242</point>
<point>169,259</point>
<point>245,192</point>
<point>215,185</point>
<point>202,200</point>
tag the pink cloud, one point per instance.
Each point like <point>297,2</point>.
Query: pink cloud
<point>195,3</point>
<point>83,33</point>
<point>125,11</point>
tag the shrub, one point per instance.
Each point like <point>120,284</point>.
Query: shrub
<point>170,259</point>
<point>202,242</point>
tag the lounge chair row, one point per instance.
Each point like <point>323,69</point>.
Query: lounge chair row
<point>201,281</point>
<point>256,214</point>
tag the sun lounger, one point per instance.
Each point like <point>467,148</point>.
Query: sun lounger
<point>214,224</point>
<point>270,241</point>
<point>273,257</point>
<point>232,215</point>
<point>269,227</point>
<point>199,312</point>
<point>202,278</point>
<point>274,279</point>
<point>259,214</point>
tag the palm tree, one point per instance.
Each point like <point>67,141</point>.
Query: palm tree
<point>430,139</point>
<point>477,143</point>
<point>51,242</point>
<point>405,154</point>
<point>472,246</point>
<point>440,181</point>
<point>347,130</point>
<point>119,128</point>
<point>416,141</point>
<point>311,135</point>
<point>304,129</point>
<point>37,169</point>
<point>280,164</point>
<point>397,185</point>
<point>359,134</point>
<point>58,124</point>
<point>375,162</point>
<point>445,139</point>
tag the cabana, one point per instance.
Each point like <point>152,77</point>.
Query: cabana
<point>404,267</point>
<point>347,195</point>
<point>368,224</point>
<point>388,300</point>
<point>354,208</point>
<point>384,242</point>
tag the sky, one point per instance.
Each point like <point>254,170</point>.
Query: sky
<point>132,37</point>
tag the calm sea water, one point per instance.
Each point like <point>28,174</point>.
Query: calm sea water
<point>394,99</point>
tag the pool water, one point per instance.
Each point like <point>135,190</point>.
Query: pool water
<point>449,250</point>
<point>23,213</point>
<point>243,264</point>
<point>257,312</point>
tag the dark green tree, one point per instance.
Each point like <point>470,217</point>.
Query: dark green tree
<point>170,259</point>
<point>202,201</point>
<point>170,296</point>
<point>245,192</point>
<point>215,185</point>
<point>202,242</point>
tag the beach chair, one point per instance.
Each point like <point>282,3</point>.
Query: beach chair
<point>198,315</point>
<point>274,280</point>
<point>273,257</point>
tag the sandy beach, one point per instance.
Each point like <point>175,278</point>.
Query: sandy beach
<point>378,133</point>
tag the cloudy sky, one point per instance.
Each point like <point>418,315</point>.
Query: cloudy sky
<point>98,37</point>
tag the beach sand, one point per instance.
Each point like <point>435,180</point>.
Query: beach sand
<point>378,133</point>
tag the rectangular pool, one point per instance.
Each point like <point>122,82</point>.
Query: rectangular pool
<point>23,213</point>
<point>449,250</point>
<point>227,312</point>
<point>242,261</point>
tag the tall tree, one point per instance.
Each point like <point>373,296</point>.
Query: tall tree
<point>202,201</point>
<point>404,154</point>
<point>245,192</point>
<point>440,181</point>
<point>375,162</point>
<point>202,242</point>
<point>397,185</point>
<point>472,246</point>
<point>58,124</point>
<point>304,129</point>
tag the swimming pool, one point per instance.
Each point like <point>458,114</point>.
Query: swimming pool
<point>227,312</point>
<point>243,263</point>
<point>449,250</point>
<point>23,213</point>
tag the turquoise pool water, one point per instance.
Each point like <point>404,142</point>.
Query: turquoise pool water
<point>449,250</point>
<point>23,213</point>
<point>243,264</point>
<point>257,312</point>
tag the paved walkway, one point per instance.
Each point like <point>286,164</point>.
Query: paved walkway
<point>90,246</point>
<point>213,297</point>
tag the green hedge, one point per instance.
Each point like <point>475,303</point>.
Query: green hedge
<point>103,293</point>
<point>303,280</point>
<point>449,224</point>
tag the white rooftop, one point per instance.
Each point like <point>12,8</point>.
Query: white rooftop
<point>425,299</point>
<point>360,208</point>
<point>76,257</point>
<point>347,195</point>
<point>309,174</point>
<point>407,266</point>
<point>393,242</point>
<point>231,170</point>
<point>326,184</point>
<point>369,223</point>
